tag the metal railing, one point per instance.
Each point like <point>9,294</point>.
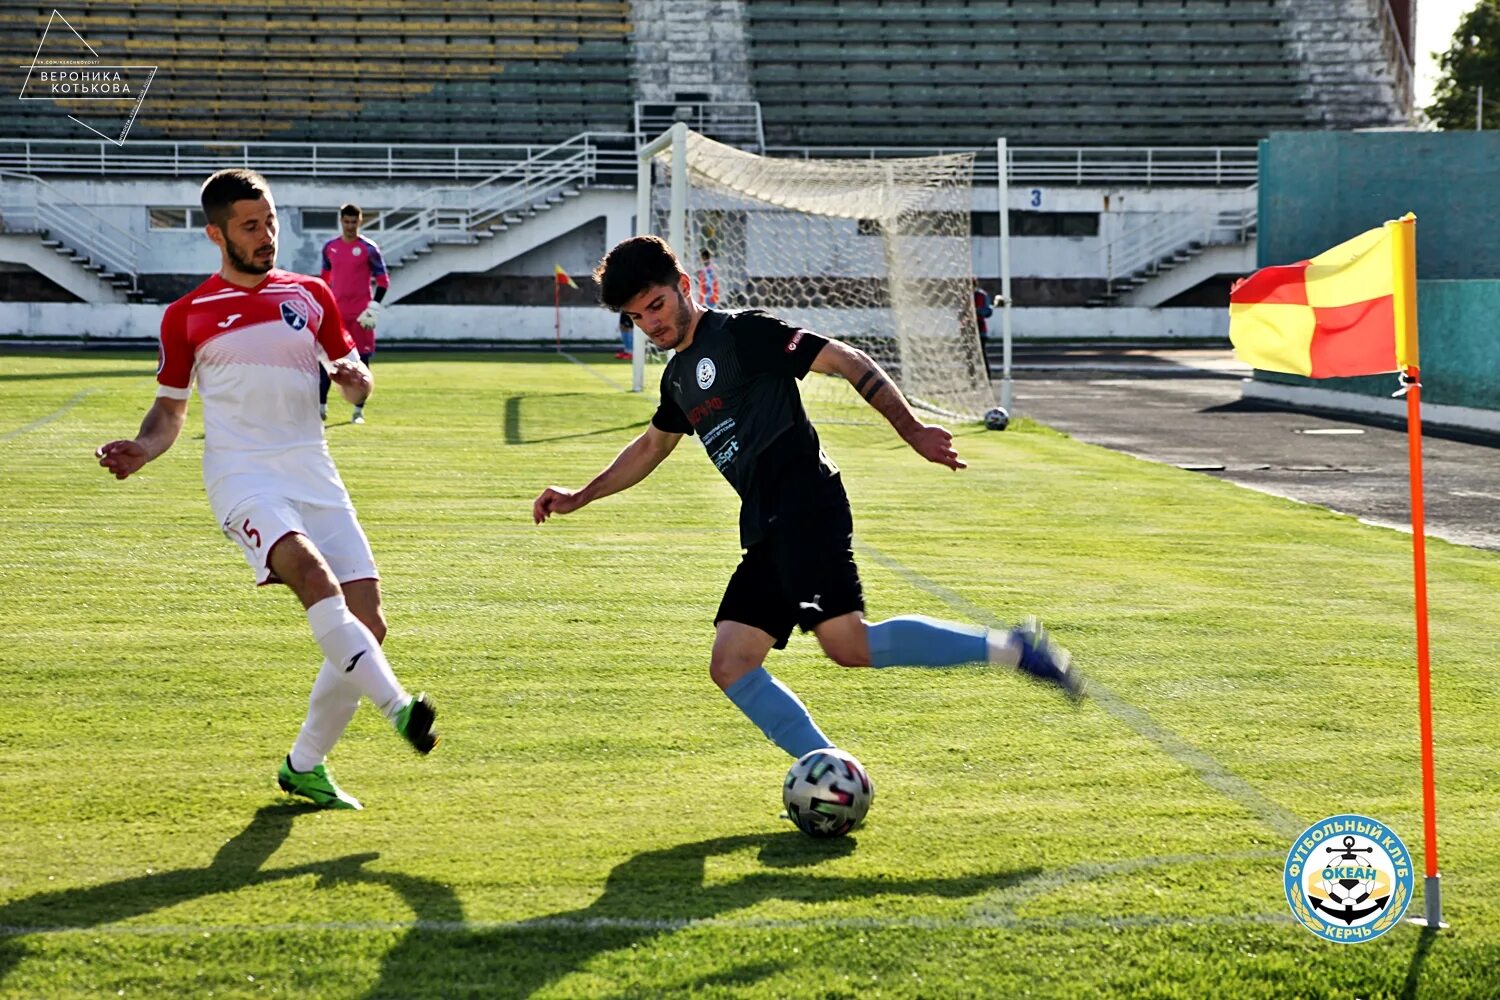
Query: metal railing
<point>1137,252</point>
<point>394,161</point>
<point>31,205</point>
<point>1398,51</point>
<point>737,123</point>
<point>1073,165</point>
<point>1146,166</point>
<point>468,213</point>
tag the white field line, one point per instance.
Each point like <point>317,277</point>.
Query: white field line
<point>77,398</point>
<point>1210,771</point>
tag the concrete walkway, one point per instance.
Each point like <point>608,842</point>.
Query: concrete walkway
<point>1183,407</point>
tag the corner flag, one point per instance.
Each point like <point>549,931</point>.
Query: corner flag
<point>1348,311</point>
<point>563,278</point>
<point>1352,310</point>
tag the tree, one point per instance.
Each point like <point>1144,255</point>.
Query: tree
<point>1472,61</point>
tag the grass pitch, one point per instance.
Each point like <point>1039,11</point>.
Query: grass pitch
<point>601,822</point>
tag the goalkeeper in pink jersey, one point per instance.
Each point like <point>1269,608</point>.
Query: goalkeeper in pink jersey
<point>352,266</point>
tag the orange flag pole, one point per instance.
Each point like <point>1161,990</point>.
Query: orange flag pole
<point>557,314</point>
<point>1404,263</point>
<point>1432,892</point>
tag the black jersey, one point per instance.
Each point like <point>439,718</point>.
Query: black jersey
<point>735,388</point>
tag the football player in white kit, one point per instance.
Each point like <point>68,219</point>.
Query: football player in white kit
<point>254,335</point>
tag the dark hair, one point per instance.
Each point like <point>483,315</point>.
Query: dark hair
<point>633,266</point>
<point>223,189</point>
<point>705,254</point>
<point>349,208</point>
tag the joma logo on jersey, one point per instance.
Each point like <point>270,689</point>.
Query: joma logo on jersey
<point>295,314</point>
<point>701,412</point>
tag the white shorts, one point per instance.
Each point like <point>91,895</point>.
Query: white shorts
<point>259,523</point>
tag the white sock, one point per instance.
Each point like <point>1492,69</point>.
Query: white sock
<point>1004,647</point>
<point>351,649</point>
<point>329,709</point>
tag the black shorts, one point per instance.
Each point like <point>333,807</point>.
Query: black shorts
<point>801,573</point>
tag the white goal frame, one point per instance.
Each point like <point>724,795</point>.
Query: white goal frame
<point>650,219</point>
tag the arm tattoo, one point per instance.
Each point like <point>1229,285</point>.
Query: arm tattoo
<point>874,387</point>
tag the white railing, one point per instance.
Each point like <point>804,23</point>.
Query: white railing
<point>1140,250</point>
<point>397,161</point>
<point>1093,165</point>
<point>1399,52</point>
<point>31,205</point>
<point>460,213</point>
<point>1146,166</point>
<point>1140,165</point>
<point>737,123</point>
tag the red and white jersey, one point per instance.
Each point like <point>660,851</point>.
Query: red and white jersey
<point>255,353</point>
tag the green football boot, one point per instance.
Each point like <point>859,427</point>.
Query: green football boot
<point>415,723</point>
<point>317,785</point>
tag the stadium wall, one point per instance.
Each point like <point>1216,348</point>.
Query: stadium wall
<point>1088,227</point>
<point>134,324</point>
<point>1460,364</point>
<point>1319,189</point>
<point>177,259</point>
<point>583,324</point>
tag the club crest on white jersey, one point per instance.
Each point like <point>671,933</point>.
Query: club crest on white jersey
<point>295,314</point>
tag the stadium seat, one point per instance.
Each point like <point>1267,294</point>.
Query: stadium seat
<point>1043,71</point>
<point>384,71</point>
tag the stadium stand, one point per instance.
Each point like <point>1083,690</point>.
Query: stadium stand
<point>375,70</point>
<point>463,120</point>
<point>1049,72</point>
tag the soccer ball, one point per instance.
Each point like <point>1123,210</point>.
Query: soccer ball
<point>997,419</point>
<point>827,793</point>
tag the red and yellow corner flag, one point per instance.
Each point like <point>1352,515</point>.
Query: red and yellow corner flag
<point>1351,310</point>
<point>562,276</point>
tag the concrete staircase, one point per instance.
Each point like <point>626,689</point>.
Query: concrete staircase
<point>1153,261</point>
<point>505,241</point>
<point>412,235</point>
<point>68,242</point>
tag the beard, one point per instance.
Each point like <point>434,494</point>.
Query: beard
<point>249,264</point>
<point>679,326</point>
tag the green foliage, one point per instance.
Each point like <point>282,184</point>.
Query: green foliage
<point>1472,61</point>
<point>600,822</point>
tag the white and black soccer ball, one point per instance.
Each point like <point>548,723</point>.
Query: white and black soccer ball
<point>827,792</point>
<point>996,419</point>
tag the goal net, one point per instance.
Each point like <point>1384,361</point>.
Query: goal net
<point>872,252</point>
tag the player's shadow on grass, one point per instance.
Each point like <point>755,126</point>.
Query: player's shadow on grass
<point>513,419</point>
<point>238,864</point>
<point>653,894</point>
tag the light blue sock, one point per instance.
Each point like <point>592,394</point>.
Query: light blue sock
<point>919,641</point>
<point>771,705</point>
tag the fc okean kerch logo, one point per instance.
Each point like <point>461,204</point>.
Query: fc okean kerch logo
<point>1348,878</point>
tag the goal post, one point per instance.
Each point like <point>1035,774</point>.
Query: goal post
<point>873,252</point>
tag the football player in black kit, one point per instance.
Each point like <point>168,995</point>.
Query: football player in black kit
<point>732,383</point>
